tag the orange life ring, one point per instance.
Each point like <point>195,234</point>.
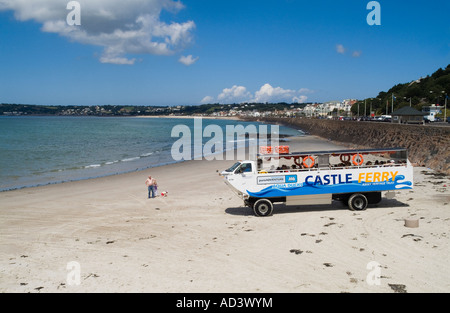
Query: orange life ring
<point>306,164</point>
<point>361,159</point>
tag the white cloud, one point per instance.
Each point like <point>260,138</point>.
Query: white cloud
<point>235,94</point>
<point>300,99</point>
<point>188,60</point>
<point>305,90</point>
<point>340,49</point>
<point>117,60</point>
<point>207,99</point>
<point>267,93</point>
<point>356,54</point>
<point>120,27</point>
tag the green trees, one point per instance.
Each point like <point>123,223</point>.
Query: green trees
<point>424,91</point>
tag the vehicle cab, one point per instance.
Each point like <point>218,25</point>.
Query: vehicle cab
<point>240,168</point>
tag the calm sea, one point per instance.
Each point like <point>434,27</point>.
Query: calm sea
<point>44,150</point>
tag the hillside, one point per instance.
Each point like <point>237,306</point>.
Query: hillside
<point>424,91</point>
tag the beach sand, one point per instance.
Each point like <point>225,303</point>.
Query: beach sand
<point>202,239</point>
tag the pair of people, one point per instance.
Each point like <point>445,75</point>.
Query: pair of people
<point>152,187</point>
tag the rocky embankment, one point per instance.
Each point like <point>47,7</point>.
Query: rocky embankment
<point>427,145</point>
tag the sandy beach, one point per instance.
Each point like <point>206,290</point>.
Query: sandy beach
<point>202,239</point>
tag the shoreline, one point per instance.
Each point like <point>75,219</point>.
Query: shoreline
<point>201,238</point>
<point>107,167</point>
<point>130,171</point>
<point>233,118</point>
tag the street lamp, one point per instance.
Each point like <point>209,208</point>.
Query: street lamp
<point>365,105</point>
<point>445,109</point>
<point>437,97</point>
<point>409,100</point>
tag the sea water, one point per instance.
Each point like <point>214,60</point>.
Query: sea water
<point>36,150</point>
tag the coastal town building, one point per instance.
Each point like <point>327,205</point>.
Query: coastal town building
<point>407,115</point>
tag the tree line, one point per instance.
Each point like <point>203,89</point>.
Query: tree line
<point>432,89</point>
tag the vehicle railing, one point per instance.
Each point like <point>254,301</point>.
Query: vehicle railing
<point>328,168</point>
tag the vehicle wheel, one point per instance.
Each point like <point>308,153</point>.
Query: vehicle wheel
<point>357,202</point>
<point>263,207</point>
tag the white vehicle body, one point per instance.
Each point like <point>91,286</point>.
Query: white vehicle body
<point>430,117</point>
<point>319,177</point>
<point>431,112</point>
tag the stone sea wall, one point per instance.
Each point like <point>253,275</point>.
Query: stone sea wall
<point>427,145</point>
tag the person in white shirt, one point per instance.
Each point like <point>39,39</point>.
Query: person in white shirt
<point>151,184</point>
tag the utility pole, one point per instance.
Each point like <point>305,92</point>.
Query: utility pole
<point>392,102</point>
<point>445,110</point>
<point>365,112</point>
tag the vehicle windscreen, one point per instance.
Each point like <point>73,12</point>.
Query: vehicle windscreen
<point>235,166</point>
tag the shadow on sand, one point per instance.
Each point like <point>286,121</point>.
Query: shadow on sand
<point>335,206</point>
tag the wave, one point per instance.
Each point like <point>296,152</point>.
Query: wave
<point>130,159</point>
<point>93,166</point>
<point>113,162</point>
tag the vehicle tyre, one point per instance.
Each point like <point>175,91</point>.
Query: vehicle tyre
<point>263,207</point>
<point>357,202</point>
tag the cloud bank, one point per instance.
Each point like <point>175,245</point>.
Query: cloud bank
<point>267,93</point>
<point>120,27</point>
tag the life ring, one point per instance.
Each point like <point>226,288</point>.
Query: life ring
<point>361,159</point>
<point>306,164</point>
<point>263,172</point>
<point>347,158</point>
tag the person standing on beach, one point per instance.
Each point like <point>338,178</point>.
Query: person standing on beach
<point>151,183</point>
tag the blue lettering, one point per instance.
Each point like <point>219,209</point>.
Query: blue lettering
<point>328,179</point>
<point>348,178</point>
<point>318,181</point>
<point>334,178</point>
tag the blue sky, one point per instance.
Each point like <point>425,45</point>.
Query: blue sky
<point>132,52</point>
